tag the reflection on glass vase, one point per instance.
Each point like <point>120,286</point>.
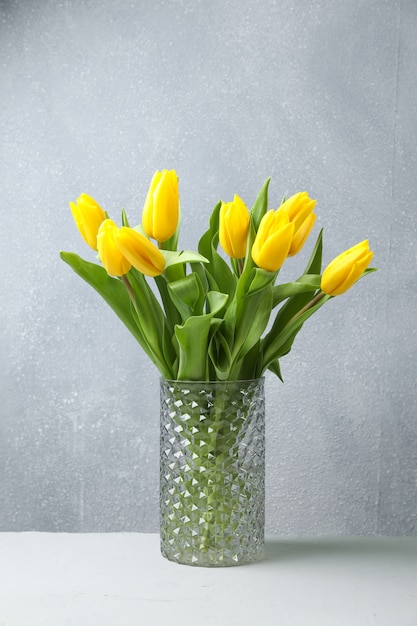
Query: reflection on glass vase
<point>212,472</point>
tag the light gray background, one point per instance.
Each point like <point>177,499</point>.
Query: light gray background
<point>95,95</point>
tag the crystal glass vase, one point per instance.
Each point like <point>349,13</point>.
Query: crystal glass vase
<point>212,472</point>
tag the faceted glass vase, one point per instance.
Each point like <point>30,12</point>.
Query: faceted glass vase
<point>212,472</point>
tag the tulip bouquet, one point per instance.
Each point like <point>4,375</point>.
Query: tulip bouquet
<point>219,315</point>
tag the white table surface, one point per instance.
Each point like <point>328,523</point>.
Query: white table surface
<point>120,579</point>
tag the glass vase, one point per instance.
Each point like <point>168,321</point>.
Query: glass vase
<point>212,472</point>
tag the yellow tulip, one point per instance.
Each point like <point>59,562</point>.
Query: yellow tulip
<point>233,228</point>
<point>140,252</point>
<point>273,240</point>
<point>346,269</point>
<point>161,210</point>
<point>111,257</point>
<point>300,211</point>
<point>88,216</point>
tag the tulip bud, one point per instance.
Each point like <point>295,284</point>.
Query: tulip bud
<point>161,210</point>
<point>300,211</point>
<point>111,257</point>
<point>88,216</point>
<point>233,227</point>
<point>346,269</point>
<point>140,252</point>
<point>273,240</point>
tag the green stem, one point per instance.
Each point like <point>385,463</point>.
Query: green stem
<point>129,290</point>
<point>215,474</point>
<point>308,306</point>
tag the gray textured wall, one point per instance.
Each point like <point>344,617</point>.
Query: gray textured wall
<point>97,94</point>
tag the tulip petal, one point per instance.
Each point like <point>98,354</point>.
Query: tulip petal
<point>355,273</point>
<point>161,210</point>
<point>300,209</point>
<point>301,235</point>
<point>88,215</point>
<point>110,255</point>
<point>276,248</point>
<point>140,252</point>
<point>273,240</point>
<point>299,206</point>
<point>345,269</point>
<point>271,249</point>
<point>233,227</point>
<point>224,236</point>
<point>336,271</point>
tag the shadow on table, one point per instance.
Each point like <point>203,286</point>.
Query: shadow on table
<point>293,549</point>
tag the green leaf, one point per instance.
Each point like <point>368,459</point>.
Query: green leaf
<point>192,338</point>
<point>110,289</point>
<point>261,279</point>
<point>152,321</point>
<point>283,340</point>
<point>172,314</point>
<point>307,283</point>
<point>182,257</point>
<point>188,295</point>
<point>249,266</point>
<point>260,206</point>
<point>205,244</point>
<point>252,313</point>
<point>314,263</point>
<point>216,301</point>
<point>219,274</point>
<point>249,366</point>
<point>199,269</point>
<point>220,356</point>
<point>275,368</point>
<point>114,292</point>
<point>125,221</point>
<point>224,277</point>
<point>175,263</point>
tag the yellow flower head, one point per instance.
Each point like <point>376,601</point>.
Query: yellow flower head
<point>111,257</point>
<point>88,216</point>
<point>233,227</point>
<point>139,251</point>
<point>300,211</point>
<point>273,240</point>
<point>161,211</point>
<point>346,269</point>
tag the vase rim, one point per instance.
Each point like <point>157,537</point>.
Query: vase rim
<point>212,382</point>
